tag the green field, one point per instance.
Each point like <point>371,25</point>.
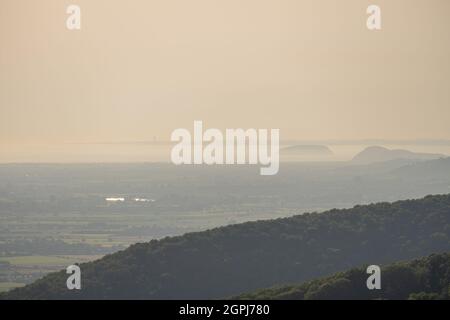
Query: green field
<point>5,286</point>
<point>47,260</point>
<point>26,268</point>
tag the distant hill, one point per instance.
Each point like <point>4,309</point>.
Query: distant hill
<point>435,170</point>
<point>230,260</point>
<point>307,150</point>
<point>422,279</point>
<point>379,154</point>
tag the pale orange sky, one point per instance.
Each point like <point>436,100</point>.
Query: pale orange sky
<point>142,68</point>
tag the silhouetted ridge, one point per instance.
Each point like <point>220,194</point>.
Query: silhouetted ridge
<point>423,279</point>
<point>241,258</point>
<point>380,154</point>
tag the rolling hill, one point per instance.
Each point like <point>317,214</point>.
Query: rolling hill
<point>432,170</point>
<point>427,278</point>
<point>230,260</point>
<point>379,154</point>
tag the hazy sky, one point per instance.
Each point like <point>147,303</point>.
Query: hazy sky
<point>142,68</point>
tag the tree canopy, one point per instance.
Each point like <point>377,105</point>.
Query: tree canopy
<point>230,260</point>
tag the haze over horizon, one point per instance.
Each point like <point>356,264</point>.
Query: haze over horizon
<point>137,71</point>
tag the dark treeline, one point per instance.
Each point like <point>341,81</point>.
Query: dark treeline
<point>231,260</point>
<point>422,279</point>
